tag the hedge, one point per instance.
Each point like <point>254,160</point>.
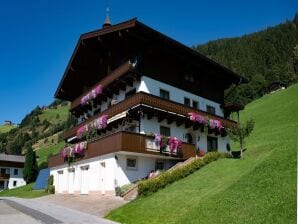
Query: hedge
<point>149,186</point>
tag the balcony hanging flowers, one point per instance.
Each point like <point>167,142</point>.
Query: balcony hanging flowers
<point>97,124</point>
<point>174,144</point>
<point>72,153</point>
<point>211,124</point>
<point>91,95</point>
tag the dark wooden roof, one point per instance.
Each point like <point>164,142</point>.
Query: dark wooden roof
<point>71,84</point>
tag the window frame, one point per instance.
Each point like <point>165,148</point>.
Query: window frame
<point>160,161</point>
<point>14,183</point>
<point>212,141</point>
<point>130,167</point>
<point>209,107</point>
<point>197,104</point>
<point>186,99</point>
<point>164,127</point>
<point>165,92</point>
<point>15,172</point>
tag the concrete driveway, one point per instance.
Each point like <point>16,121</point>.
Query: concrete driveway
<point>97,205</point>
<point>34,211</point>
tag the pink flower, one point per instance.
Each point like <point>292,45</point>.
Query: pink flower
<point>98,90</point>
<point>193,116</point>
<point>104,120</point>
<point>157,137</point>
<point>81,131</point>
<point>91,95</point>
<point>201,119</point>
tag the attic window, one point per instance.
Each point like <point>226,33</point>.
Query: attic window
<point>189,77</point>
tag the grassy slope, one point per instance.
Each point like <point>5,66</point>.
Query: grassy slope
<point>23,192</point>
<point>51,114</point>
<point>259,189</point>
<point>44,153</point>
<point>5,128</point>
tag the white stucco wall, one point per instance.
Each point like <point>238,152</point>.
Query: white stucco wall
<point>18,178</point>
<point>99,177</point>
<point>153,87</point>
<point>102,179</point>
<point>152,125</point>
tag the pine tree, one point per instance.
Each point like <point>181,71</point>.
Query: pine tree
<point>30,167</point>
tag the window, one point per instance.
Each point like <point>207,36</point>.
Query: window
<point>1,184</point>
<point>131,163</point>
<point>160,164</point>
<point>3,170</point>
<point>195,104</point>
<point>210,109</point>
<point>15,172</point>
<point>164,94</point>
<point>165,131</point>
<point>211,144</point>
<point>14,183</point>
<point>189,138</point>
<point>130,93</point>
<point>186,101</point>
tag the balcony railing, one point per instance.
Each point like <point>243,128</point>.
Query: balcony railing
<point>4,176</point>
<point>152,101</point>
<point>124,141</point>
<point>112,77</point>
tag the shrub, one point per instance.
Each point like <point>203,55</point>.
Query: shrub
<point>121,190</point>
<point>152,185</point>
<point>51,189</point>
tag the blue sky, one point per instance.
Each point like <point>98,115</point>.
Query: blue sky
<point>37,37</point>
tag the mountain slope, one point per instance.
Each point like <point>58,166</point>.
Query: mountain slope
<point>40,128</point>
<point>262,57</point>
<point>259,189</point>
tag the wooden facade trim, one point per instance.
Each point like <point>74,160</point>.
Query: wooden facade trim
<point>107,80</point>
<point>146,99</point>
<point>120,26</point>
<point>4,176</point>
<point>11,164</point>
<point>121,141</point>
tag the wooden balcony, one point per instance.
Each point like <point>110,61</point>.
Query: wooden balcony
<point>145,99</point>
<point>4,176</point>
<point>106,82</point>
<point>124,141</point>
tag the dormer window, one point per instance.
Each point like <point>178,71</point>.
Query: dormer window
<point>189,77</point>
<point>210,109</point>
<point>186,101</point>
<point>164,94</point>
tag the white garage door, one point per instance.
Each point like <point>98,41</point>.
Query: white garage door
<point>71,180</point>
<point>60,181</point>
<point>84,179</point>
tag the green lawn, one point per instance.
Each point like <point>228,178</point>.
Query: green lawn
<point>5,128</point>
<point>259,189</point>
<point>23,192</point>
<point>51,114</point>
<point>43,153</point>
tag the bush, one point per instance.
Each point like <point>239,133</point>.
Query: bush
<point>121,190</point>
<point>152,185</point>
<point>51,189</point>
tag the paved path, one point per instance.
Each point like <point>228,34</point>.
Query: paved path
<point>98,205</point>
<point>9,215</point>
<point>43,212</point>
